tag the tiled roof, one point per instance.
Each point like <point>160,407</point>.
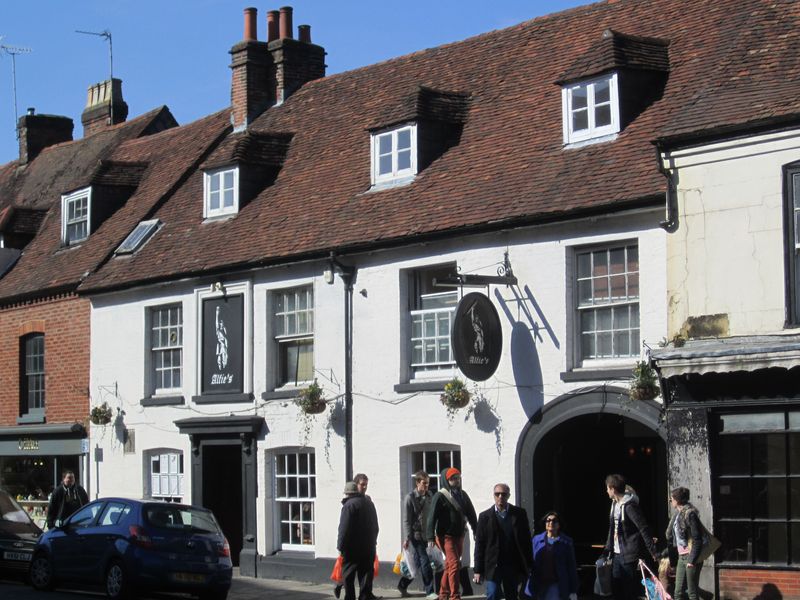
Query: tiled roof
<point>250,148</point>
<point>156,164</point>
<point>615,50</point>
<point>732,63</point>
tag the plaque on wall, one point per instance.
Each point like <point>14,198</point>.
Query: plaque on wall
<point>477,337</point>
<point>223,345</point>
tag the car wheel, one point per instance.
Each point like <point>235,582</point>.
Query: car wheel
<point>40,572</point>
<point>117,586</point>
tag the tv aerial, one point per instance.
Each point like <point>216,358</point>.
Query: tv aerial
<point>13,51</point>
<point>105,34</point>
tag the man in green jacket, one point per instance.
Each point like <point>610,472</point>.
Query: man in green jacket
<point>449,513</point>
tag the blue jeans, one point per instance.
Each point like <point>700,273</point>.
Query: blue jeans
<point>505,581</point>
<point>419,549</point>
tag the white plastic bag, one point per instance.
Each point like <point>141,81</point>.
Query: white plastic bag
<point>409,562</point>
<point>437,558</point>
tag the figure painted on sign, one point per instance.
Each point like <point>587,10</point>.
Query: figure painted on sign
<point>222,341</point>
<point>477,327</point>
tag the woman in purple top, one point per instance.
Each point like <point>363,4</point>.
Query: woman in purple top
<point>555,574</point>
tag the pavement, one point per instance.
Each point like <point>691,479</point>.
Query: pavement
<point>243,588</point>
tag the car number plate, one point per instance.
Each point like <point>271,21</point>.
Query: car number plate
<point>17,556</point>
<point>189,577</point>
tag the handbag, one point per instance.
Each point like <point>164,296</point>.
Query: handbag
<point>710,545</point>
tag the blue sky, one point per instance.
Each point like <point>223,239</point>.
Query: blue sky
<point>175,52</point>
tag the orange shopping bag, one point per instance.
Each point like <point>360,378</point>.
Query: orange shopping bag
<point>336,574</point>
<point>375,566</point>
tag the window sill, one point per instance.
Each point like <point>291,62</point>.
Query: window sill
<point>222,398</point>
<point>391,183</point>
<point>162,401</point>
<point>421,386</point>
<point>596,375</point>
<point>281,394</point>
<point>30,419</point>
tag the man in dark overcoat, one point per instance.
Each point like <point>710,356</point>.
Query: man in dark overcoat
<point>503,555</point>
<point>358,536</point>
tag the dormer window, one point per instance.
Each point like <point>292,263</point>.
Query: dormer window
<point>591,109</point>
<point>75,216</point>
<point>221,192</point>
<point>394,155</point>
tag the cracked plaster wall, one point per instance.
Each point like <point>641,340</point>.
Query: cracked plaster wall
<point>726,256</point>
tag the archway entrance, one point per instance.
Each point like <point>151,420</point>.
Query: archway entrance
<point>568,449</point>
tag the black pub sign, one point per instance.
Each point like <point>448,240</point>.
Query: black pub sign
<point>476,337</point>
<point>223,345</point>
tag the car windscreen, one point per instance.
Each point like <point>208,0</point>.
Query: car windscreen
<point>10,510</point>
<point>198,520</point>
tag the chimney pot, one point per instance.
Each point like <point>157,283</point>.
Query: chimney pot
<point>273,18</point>
<point>304,33</point>
<point>31,111</point>
<point>250,24</point>
<point>286,22</point>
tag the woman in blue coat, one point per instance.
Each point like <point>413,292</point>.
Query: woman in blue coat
<point>555,574</point>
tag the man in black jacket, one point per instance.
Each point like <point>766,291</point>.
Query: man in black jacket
<point>358,536</point>
<point>65,500</point>
<point>629,539</point>
<point>503,556</point>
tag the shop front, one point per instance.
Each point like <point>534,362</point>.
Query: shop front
<point>32,459</point>
<point>733,416</point>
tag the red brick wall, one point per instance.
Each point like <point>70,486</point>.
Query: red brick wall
<point>742,584</point>
<point>65,324</point>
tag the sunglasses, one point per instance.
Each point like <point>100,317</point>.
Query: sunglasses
<point>551,520</point>
<point>505,494</point>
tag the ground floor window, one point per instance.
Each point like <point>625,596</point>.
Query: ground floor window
<point>433,459</point>
<point>166,475</point>
<point>295,493</point>
<point>757,486</point>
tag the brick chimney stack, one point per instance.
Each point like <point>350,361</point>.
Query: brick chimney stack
<point>104,106</point>
<point>252,85</point>
<point>296,61</point>
<point>37,132</point>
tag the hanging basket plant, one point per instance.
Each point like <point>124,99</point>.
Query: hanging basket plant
<point>311,400</point>
<point>645,382</point>
<point>101,414</point>
<point>455,396</point>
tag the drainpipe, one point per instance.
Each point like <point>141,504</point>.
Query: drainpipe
<point>348,275</point>
<point>670,224</point>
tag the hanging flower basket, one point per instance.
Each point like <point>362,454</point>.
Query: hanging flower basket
<point>645,382</point>
<point>455,395</point>
<point>101,415</point>
<point>310,400</point>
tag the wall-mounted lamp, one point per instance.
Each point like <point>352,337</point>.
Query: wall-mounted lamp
<point>327,275</point>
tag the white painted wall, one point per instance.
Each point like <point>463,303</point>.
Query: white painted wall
<point>727,254</point>
<point>539,310</point>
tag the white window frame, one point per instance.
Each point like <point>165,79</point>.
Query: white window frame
<point>66,201</point>
<point>610,303</point>
<point>208,212</point>
<point>153,350</point>
<point>592,132</point>
<point>282,339</point>
<point>397,175</point>
<point>437,314</point>
<point>433,472</point>
<point>279,500</point>
<point>174,476</point>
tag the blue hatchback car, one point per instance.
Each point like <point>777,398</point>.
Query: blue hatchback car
<point>131,545</point>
